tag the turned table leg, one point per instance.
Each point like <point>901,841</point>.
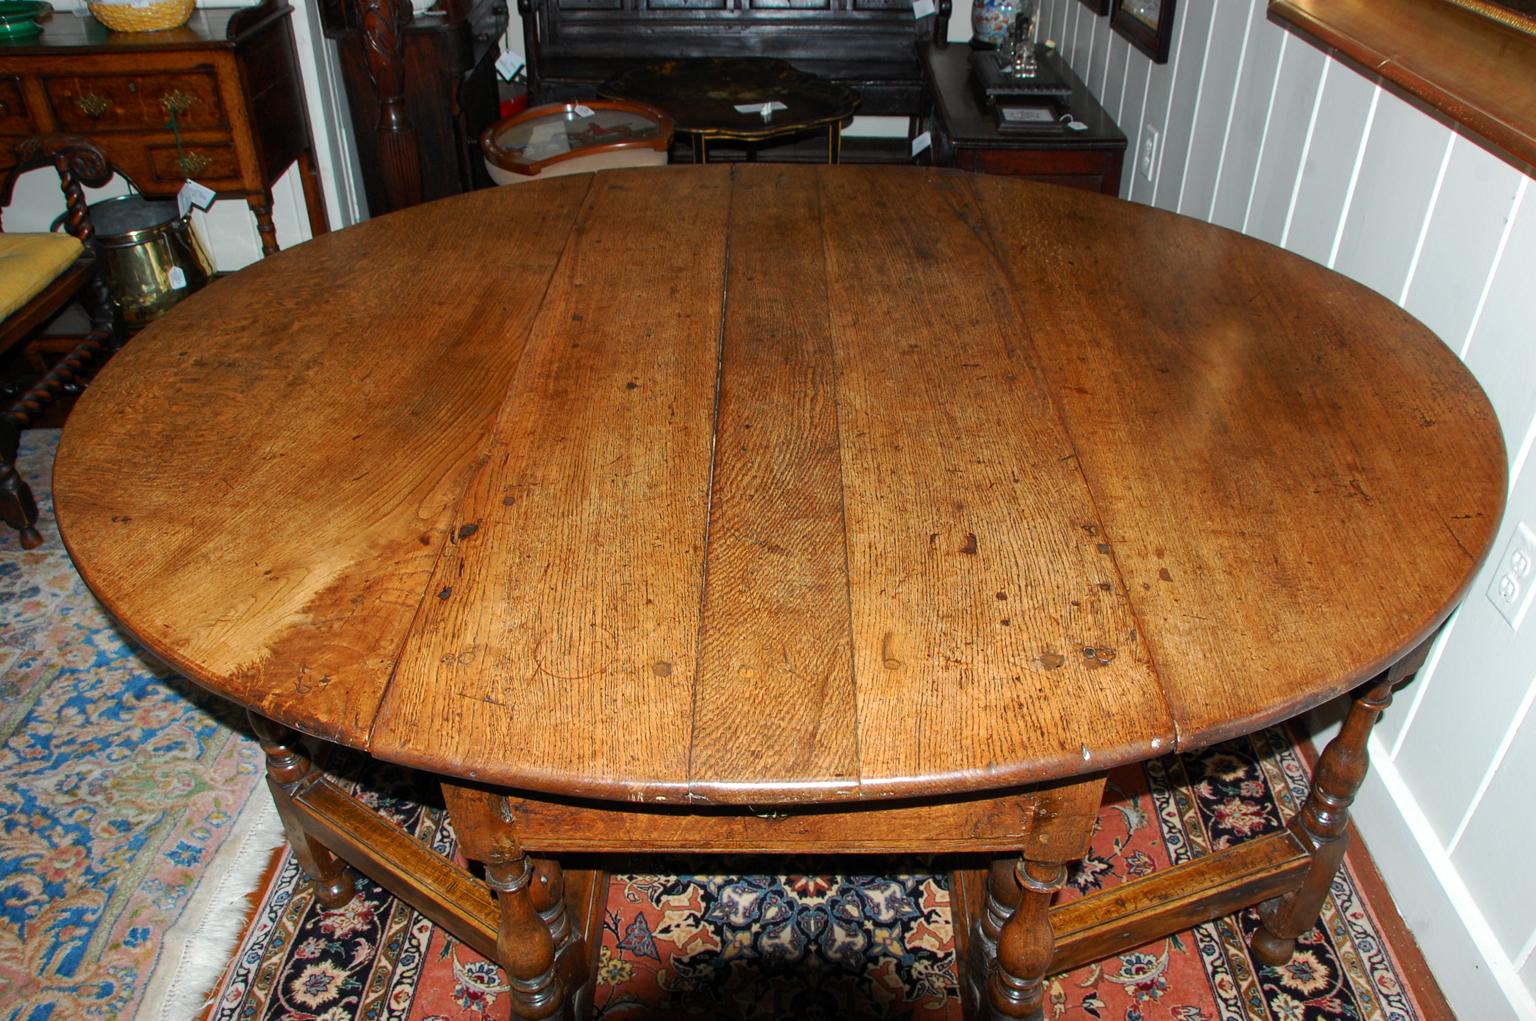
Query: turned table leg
<point>1012,943</point>
<point>1322,825</point>
<point>288,768</point>
<point>525,942</point>
<point>261,206</point>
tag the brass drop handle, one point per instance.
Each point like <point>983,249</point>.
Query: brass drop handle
<point>177,101</point>
<point>93,105</point>
<point>193,163</point>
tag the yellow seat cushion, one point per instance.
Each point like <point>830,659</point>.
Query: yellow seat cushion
<point>29,263</point>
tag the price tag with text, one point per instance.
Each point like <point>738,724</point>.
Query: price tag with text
<point>921,143</point>
<point>177,278</point>
<point>193,194</point>
<point>509,64</point>
<point>923,9</point>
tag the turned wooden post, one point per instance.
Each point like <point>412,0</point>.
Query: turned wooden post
<point>1025,943</point>
<point>524,944</point>
<point>1323,822</point>
<point>1012,941</point>
<point>288,769</point>
<point>384,24</point>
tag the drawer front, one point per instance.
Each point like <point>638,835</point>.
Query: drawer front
<point>15,119</point>
<point>210,164</point>
<point>97,103</point>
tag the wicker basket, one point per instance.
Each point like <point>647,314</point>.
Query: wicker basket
<point>151,17</point>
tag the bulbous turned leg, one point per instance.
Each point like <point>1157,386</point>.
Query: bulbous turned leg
<point>1025,942</point>
<point>524,944</point>
<point>1323,826</point>
<point>287,769</point>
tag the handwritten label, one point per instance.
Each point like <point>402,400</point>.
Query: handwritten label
<point>193,194</point>
<point>923,9</point>
<point>766,109</point>
<point>177,278</point>
<point>509,64</point>
<point>582,110</point>
<point>922,142</point>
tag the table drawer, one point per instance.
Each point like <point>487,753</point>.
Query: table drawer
<point>101,103</point>
<point>157,167</point>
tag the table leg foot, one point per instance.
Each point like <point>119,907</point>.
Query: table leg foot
<point>1322,825</point>
<point>288,769</point>
<point>525,944</point>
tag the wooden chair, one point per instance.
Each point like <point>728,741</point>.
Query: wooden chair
<point>558,138</point>
<point>39,275</point>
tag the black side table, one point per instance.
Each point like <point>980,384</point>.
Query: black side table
<point>965,132</point>
<point>701,96</point>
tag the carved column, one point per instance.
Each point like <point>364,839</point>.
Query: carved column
<point>288,769</point>
<point>384,24</point>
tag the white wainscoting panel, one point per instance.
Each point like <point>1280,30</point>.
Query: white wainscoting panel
<point>1264,132</point>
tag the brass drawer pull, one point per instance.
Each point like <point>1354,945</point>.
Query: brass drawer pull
<point>177,101</point>
<point>193,163</point>
<point>93,105</point>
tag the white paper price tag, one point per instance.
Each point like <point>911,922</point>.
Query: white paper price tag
<point>766,109</point>
<point>922,142</point>
<point>509,64</point>
<point>923,9</point>
<point>193,194</point>
<point>177,278</point>
<point>582,110</point>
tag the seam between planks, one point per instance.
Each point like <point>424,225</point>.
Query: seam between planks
<point>709,489</point>
<point>579,218</point>
<point>988,237</point>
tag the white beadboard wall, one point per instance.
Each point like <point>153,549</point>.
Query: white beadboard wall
<point>1264,133</point>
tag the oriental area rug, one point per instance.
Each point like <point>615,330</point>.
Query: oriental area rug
<point>135,833</point>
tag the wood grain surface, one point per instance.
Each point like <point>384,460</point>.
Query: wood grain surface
<point>768,484</point>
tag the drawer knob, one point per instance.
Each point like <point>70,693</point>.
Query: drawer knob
<point>177,101</point>
<point>93,105</point>
<point>192,163</point>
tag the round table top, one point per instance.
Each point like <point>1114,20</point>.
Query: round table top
<point>763,484</point>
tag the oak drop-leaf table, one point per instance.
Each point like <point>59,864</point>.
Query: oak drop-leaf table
<point>770,508</point>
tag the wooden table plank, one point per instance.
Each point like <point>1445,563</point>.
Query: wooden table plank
<point>269,520</point>
<point>775,702</point>
<point>993,642</point>
<point>1296,478</point>
<point>559,646</point>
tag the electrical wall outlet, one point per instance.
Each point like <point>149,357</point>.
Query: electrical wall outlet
<point>1514,577</point>
<point>1146,156</point>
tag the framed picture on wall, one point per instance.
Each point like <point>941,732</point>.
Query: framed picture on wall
<point>1148,24</point>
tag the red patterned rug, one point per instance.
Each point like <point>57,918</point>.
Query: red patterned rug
<point>802,943</point>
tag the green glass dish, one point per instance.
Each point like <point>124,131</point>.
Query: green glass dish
<point>18,18</point>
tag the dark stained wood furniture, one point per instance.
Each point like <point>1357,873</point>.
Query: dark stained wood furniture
<point>420,89</point>
<point>867,520</point>
<point>702,95</point>
<point>229,75</point>
<point>79,164</point>
<point>966,135</point>
<point>865,45</point>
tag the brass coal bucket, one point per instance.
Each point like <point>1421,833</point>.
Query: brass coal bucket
<point>154,258</point>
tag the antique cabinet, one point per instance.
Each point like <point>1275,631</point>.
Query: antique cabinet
<point>420,88</point>
<point>219,100</point>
